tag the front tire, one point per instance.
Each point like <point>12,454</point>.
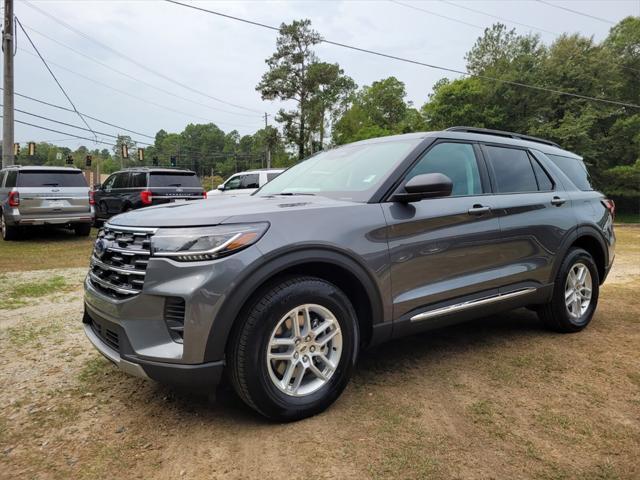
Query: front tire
<point>293,352</point>
<point>575,294</point>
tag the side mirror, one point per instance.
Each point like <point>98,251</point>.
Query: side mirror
<point>97,187</point>
<point>428,185</point>
<point>221,187</point>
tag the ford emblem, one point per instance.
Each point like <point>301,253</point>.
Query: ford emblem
<point>101,247</point>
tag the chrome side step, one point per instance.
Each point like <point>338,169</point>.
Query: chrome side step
<point>470,304</point>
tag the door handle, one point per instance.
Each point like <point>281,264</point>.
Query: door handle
<point>479,210</point>
<point>557,201</point>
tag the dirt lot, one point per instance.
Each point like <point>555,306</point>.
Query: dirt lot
<point>496,398</point>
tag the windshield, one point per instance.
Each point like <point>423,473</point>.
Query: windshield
<point>352,172</point>
<point>173,179</point>
<point>51,178</point>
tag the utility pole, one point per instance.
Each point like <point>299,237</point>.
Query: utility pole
<point>267,141</point>
<point>8,42</point>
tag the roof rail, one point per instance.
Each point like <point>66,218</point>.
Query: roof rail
<point>502,133</point>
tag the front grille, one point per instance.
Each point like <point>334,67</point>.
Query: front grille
<point>119,260</point>
<point>174,316</point>
<point>108,336</point>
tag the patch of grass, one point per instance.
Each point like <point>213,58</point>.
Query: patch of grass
<point>94,368</point>
<point>42,249</point>
<point>482,411</point>
<point>24,335</point>
<point>15,296</point>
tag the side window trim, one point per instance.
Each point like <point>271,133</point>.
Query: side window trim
<point>492,173</point>
<point>533,159</point>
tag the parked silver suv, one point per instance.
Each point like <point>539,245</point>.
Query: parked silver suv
<point>44,196</point>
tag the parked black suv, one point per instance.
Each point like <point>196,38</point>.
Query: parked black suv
<point>349,248</point>
<point>135,188</point>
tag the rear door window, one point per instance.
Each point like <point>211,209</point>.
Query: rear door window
<point>12,177</point>
<point>49,178</point>
<point>573,168</point>
<point>139,180</point>
<point>122,180</point>
<point>250,181</point>
<point>174,180</point>
<point>512,170</point>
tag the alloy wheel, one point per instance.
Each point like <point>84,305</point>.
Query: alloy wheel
<point>304,350</point>
<point>577,290</point>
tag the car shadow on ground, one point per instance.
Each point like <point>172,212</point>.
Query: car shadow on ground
<point>378,365</point>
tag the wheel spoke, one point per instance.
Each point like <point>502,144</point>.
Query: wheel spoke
<point>282,342</point>
<point>327,362</point>
<point>317,372</point>
<point>281,356</point>
<point>295,324</point>
<point>325,339</point>
<point>323,327</point>
<point>298,380</point>
<point>307,320</point>
<point>288,373</point>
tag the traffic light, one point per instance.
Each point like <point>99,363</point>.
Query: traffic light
<point>88,161</point>
<point>125,151</point>
<point>155,161</point>
<point>141,154</point>
<point>174,161</point>
<point>16,149</point>
<point>32,149</point>
<point>69,159</point>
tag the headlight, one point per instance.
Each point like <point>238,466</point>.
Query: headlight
<point>205,243</point>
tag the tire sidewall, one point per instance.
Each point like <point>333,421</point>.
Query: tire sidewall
<point>269,399</point>
<point>576,256</point>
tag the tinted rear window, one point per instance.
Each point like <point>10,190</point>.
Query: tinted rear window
<point>35,178</point>
<point>174,180</point>
<point>574,169</point>
<point>512,170</point>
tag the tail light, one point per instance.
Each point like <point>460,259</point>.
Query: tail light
<point>204,194</point>
<point>14,199</point>
<point>610,205</point>
<point>146,196</point>
<point>92,199</point>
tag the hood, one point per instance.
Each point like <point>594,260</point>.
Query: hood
<point>220,210</point>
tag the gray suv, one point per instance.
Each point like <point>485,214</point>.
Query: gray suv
<point>44,196</point>
<point>352,247</point>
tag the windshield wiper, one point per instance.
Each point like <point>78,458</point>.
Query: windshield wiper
<point>50,184</point>
<point>297,193</point>
<point>174,185</point>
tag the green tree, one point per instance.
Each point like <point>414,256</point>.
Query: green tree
<point>288,79</point>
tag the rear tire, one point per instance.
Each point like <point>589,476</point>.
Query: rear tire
<point>575,294</point>
<point>82,229</point>
<point>9,232</point>
<point>314,362</point>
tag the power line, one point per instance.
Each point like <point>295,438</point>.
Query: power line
<point>137,63</point>
<point>63,133</point>
<point>87,116</point>
<point>600,19</point>
<point>131,77</point>
<point>437,14</point>
<point>500,18</point>
<point>122,92</point>
<point>54,77</point>
<point>42,117</point>
<point>416,62</point>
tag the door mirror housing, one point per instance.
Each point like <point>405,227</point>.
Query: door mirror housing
<point>221,187</point>
<point>427,185</point>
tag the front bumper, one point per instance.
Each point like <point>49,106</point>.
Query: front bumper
<point>111,341</point>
